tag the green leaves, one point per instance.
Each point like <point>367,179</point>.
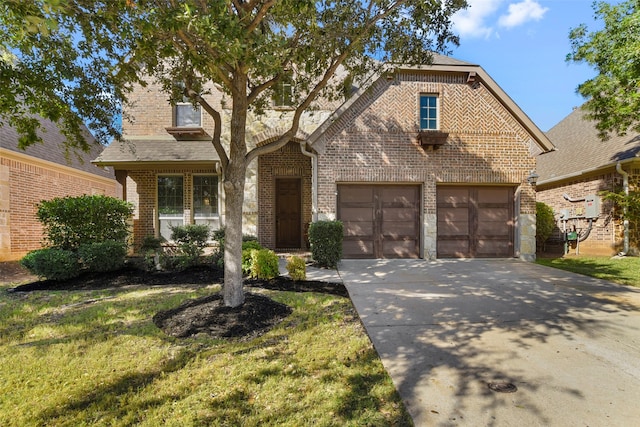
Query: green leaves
<point>613,96</point>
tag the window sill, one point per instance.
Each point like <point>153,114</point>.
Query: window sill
<point>432,138</point>
<point>180,132</point>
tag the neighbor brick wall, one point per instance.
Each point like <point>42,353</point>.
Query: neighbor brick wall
<point>29,183</point>
<point>376,141</point>
<point>606,237</point>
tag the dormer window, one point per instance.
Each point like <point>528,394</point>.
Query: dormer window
<point>186,115</point>
<point>429,112</point>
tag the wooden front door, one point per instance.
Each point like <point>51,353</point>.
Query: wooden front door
<point>288,213</point>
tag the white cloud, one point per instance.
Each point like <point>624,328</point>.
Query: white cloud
<point>479,19</point>
<point>471,21</point>
<point>520,13</point>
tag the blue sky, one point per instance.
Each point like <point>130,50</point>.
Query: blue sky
<point>523,44</point>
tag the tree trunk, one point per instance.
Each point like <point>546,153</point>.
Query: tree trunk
<point>234,180</point>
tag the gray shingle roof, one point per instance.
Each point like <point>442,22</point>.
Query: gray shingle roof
<point>157,150</point>
<point>52,148</point>
<point>579,149</point>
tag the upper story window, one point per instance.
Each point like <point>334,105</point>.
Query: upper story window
<point>186,115</point>
<point>283,93</point>
<point>429,112</point>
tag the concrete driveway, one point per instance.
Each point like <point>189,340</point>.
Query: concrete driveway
<point>447,329</point>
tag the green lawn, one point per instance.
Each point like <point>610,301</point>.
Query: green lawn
<point>80,358</point>
<point>625,271</point>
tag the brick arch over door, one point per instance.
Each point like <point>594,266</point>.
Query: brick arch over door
<point>280,170</point>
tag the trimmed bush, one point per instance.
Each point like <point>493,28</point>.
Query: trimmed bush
<point>545,223</point>
<point>264,264</point>
<point>103,256</point>
<point>191,240</point>
<point>325,238</point>
<point>297,268</point>
<point>72,221</point>
<point>247,259</point>
<point>52,263</point>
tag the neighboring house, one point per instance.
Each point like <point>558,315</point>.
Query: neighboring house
<point>425,161</point>
<point>41,172</point>
<point>572,178</point>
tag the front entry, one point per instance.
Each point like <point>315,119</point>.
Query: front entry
<point>288,213</point>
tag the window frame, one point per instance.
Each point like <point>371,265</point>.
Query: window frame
<point>179,105</point>
<point>435,109</point>
<point>212,215</point>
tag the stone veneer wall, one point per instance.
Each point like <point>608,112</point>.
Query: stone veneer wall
<point>23,184</point>
<point>376,141</point>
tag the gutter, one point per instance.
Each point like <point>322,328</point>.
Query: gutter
<point>625,184</point>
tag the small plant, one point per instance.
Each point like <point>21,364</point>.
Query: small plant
<point>264,264</point>
<point>325,238</point>
<point>52,263</point>
<point>545,223</point>
<point>103,256</point>
<point>247,258</point>
<point>191,240</point>
<point>297,268</point>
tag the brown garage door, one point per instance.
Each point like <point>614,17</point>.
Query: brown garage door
<point>475,222</point>
<point>380,221</point>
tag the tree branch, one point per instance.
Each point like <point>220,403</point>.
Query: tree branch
<point>217,129</point>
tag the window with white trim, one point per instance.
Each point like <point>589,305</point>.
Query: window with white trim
<point>186,115</point>
<point>170,203</point>
<point>429,119</point>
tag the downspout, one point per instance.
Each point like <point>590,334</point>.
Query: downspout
<point>314,180</point>
<point>625,185</point>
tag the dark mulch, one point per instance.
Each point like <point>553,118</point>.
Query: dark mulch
<point>207,315</point>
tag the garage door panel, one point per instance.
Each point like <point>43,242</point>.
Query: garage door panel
<point>357,214</point>
<point>488,231</point>
<point>358,248</point>
<point>358,228</point>
<point>380,221</point>
<point>400,248</point>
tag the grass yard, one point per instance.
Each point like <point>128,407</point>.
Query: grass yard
<point>94,357</point>
<point>625,271</point>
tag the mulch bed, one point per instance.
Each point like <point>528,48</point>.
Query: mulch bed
<point>207,315</point>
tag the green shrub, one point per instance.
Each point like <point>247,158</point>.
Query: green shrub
<point>297,268</point>
<point>247,259</point>
<point>325,238</point>
<point>103,256</point>
<point>545,223</point>
<point>52,263</point>
<point>264,264</point>
<point>191,240</point>
<point>72,221</point>
<point>218,256</point>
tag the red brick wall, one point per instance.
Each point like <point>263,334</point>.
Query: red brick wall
<point>606,236</point>
<point>31,183</point>
<point>377,141</point>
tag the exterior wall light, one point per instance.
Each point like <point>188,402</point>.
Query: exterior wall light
<point>532,179</point>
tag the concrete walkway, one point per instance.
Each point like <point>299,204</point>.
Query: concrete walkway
<point>446,329</point>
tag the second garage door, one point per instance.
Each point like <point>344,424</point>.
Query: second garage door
<point>380,221</point>
<point>475,222</point>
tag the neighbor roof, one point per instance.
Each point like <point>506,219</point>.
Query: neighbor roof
<point>157,150</point>
<point>580,150</point>
<point>52,148</point>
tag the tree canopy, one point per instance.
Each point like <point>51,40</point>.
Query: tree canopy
<point>78,59</point>
<point>613,96</point>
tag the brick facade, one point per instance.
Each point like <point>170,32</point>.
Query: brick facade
<point>24,182</point>
<point>606,235</point>
<point>376,141</point>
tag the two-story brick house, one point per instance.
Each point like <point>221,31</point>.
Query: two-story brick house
<point>426,161</point>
